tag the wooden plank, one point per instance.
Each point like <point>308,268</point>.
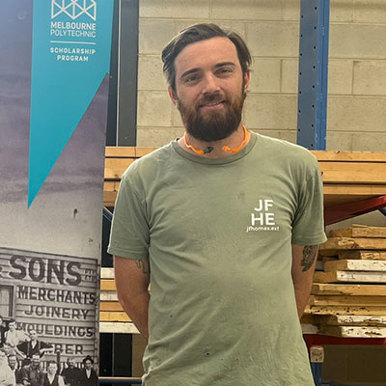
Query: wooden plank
<point>141,151</point>
<point>106,316</point>
<point>353,172</point>
<point>120,151</point>
<point>363,255</point>
<point>110,306</point>
<point>354,189</point>
<point>115,167</point>
<point>359,231</point>
<point>108,285</point>
<point>348,276</point>
<point>336,300</point>
<point>353,331</point>
<point>355,265</point>
<point>108,296</point>
<point>345,310</point>
<point>356,156</point>
<point>111,186</point>
<point>336,243</point>
<point>355,320</point>
<point>109,198</point>
<point>118,327</point>
<point>349,289</point>
<point>107,273</point>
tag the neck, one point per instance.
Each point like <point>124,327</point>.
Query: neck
<point>216,149</point>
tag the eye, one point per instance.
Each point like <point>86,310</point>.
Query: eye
<point>192,78</point>
<point>224,71</point>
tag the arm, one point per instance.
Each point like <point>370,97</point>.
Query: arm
<point>132,279</point>
<point>303,267</point>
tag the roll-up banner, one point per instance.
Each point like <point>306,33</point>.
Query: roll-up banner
<point>55,60</point>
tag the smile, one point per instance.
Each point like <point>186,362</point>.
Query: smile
<point>212,105</point>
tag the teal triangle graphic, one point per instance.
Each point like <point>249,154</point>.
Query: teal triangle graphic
<point>66,74</point>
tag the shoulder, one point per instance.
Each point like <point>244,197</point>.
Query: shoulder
<point>289,155</point>
<point>150,162</point>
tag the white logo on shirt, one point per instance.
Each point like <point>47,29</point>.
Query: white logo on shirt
<point>263,219</point>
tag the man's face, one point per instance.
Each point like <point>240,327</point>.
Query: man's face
<point>12,326</point>
<point>210,88</point>
<point>12,362</point>
<point>35,362</point>
<point>52,368</point>
<point>33,335</point>
<point>88,364</point>
<point>71,363</point>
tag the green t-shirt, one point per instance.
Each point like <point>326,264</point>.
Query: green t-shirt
<point>218,235</point>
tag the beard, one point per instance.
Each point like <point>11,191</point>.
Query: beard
<point>210,126</point>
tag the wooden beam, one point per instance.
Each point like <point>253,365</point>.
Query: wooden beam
<point>353,172</point>
<point>348,276</point>
<point>363,255</point>
<point>107,273</point>
<point>108,285</point>
<point>108,296</point>
<point>118,327</point>
<point>359,231</point>
<point>336,243</point>
<point>349,289</point>
<point>110,306</point>
<point>354,332</point>
<point>345,310</point>
<point>356,156</point>
<point>115,167</point>
<point>355,265</point>
<point>119,151</point>
<point>336,300</point>
<point>106,316</point>
<point>354,320</point>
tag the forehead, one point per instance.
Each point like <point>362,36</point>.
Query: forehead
<point>206,54</point>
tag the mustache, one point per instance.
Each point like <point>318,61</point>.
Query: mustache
<point>210,98</point>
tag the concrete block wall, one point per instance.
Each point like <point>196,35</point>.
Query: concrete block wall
<point>357,67</point>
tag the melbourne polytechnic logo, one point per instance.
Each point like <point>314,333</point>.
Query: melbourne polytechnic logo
<point>74,8</point>
<point>263,217</point>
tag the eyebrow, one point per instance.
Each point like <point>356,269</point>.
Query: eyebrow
<point>197,69</point>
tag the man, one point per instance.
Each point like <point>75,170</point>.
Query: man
<point>225,225</point>
<point>32,375</point>
<point>34,346</point>
<point>51,378</point>
<point>71,374</point>
<point>14,366</point>
<point>88,376</point>
<point>7,377</point>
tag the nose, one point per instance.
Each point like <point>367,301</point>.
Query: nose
<point>210,84</point>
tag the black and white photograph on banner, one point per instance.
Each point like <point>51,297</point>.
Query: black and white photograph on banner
<point>50,245</point>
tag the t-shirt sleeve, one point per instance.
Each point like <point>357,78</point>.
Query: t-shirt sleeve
<point>308,224</point>
<point>129,236</point>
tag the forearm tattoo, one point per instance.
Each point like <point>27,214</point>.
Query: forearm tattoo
<point>309,255</point>
<point>143,266</point>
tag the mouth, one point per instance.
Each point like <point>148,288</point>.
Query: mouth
<point>213,105</point>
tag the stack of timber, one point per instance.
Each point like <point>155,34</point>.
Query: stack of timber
<point>350,176</point>
<point>112,318</point>
<point>348,298</point>
<point>347,176</point>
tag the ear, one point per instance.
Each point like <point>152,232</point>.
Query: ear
<point>247,78</point>
<point>172,95</point>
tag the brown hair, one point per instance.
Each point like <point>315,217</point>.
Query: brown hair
<point>196,33</point>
